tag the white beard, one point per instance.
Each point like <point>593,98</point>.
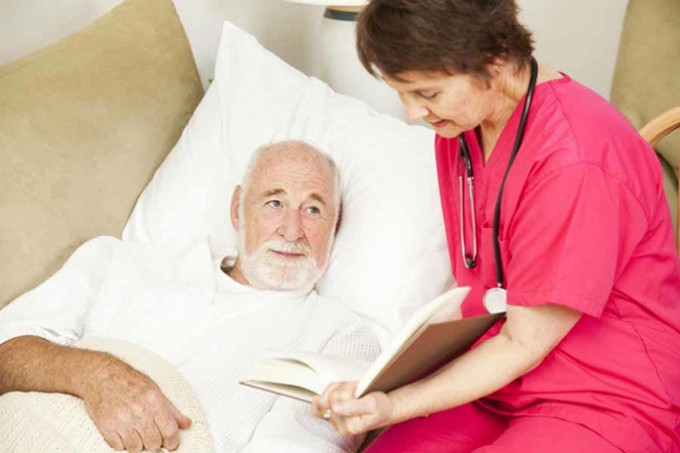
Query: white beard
<point>265,270</point>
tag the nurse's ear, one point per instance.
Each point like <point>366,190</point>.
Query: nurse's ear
<point>494,73</point>
<point>501,72</point>
<point>235,207</point>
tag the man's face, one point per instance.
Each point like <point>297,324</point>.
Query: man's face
<point>286,221</point>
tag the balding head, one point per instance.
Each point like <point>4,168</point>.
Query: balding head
<point>289,149</point>
<point>285,214</point>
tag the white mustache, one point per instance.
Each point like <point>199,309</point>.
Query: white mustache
<point>286,247</point>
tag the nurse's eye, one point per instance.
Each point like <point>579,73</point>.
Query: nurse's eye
<point>429,95</point>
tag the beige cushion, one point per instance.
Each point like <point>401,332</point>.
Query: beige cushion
<point>647,76</point>
<point>84,123</point>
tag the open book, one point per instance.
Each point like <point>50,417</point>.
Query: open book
<point>427,341</point>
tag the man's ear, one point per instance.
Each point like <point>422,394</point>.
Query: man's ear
<point>338,221</point>
<point>235,205</point>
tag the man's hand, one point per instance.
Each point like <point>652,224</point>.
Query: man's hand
<point>130,410</point>
<point>127,407</point>
<point>348,415</point>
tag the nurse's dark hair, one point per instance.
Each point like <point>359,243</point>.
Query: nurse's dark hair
<point>454,36</point>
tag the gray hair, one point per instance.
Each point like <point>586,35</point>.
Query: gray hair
<point>289,145</point>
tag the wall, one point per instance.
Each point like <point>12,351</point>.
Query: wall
<point>579,37</point>
<point>27,25</point>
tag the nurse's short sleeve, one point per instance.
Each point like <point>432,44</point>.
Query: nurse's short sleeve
<point>569,237</point>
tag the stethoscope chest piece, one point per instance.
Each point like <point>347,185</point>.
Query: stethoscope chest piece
<point>495,300</point>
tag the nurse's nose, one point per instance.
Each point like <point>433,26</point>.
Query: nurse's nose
<point>291,226</point>
<point>414,111</point>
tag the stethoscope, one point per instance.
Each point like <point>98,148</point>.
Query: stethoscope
<point>495,299</point>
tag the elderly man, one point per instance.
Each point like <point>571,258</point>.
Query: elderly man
<point>208,315</point>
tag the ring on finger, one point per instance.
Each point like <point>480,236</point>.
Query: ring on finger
<point>327,414</point>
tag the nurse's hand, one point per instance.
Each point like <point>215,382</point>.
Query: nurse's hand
<point>348,415</point>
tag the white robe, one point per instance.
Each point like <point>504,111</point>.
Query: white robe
<point>181,306</point>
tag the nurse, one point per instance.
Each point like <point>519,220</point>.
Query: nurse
<point>552,200</point>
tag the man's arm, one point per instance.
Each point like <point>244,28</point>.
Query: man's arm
<point>126,406</point>
<point>29,363</point>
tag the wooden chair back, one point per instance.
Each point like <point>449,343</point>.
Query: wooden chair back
<point>656,130</point>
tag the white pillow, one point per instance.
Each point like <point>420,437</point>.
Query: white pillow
<point>390,254</point>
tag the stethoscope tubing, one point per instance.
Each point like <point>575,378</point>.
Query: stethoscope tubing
<point>471,261</point>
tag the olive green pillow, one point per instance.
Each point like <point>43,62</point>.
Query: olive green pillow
<point>647,76</point>
<point>84,123</point>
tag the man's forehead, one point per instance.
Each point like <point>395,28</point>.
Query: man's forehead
<point>311,182</point>
<point>302,166</point>
<point>307,195</point>
<point>293,169</point>
<point>290,155</point>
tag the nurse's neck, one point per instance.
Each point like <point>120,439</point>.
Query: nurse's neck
<point>506,90</point>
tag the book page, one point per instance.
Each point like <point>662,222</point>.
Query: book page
<point>301,375</point>
<point>290,391</point>
<point>330,368</point>
<point>277,372</point>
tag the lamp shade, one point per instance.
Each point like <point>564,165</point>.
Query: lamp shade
<point>332,2</point>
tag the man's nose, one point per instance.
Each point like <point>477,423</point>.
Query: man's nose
<point>291,226</point>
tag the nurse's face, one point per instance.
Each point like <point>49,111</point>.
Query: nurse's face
<point>451,104</point>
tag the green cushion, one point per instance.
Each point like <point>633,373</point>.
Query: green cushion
<point>84,123</point>
<point>647,76</point>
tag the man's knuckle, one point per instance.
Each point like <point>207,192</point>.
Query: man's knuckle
<point>112,439</point>
<point>137,411</point>
<point>121,420</point>
<point>168,429</point>
<point>152,395</point>
<point>153,444</point>
<point>172,442</point>
<point>150,438</point>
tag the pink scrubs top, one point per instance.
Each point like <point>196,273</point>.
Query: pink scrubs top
<point>584,224</point>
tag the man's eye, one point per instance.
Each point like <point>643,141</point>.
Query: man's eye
<point>314,210</point>
<point>274,203</point>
